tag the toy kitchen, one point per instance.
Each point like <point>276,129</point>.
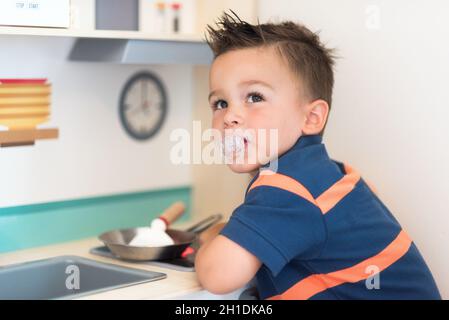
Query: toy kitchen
<point>90,94</point>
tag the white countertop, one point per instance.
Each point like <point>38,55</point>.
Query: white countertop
<point>177,284</point>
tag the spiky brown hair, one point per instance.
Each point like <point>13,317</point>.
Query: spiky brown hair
<point>305,54</point>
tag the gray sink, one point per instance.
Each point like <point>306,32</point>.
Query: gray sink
<point>67,277</point>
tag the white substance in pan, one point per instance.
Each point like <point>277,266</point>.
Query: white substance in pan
<point>154,236</point>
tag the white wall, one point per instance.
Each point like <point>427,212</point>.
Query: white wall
<point>391,105</point>
<point>93,156</point>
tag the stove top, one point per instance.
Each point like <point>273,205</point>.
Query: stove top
<point>184,263</point>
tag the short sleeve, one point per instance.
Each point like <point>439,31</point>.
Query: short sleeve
<point>276,226</point>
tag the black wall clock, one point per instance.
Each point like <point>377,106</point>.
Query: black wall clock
<point>143,105</point>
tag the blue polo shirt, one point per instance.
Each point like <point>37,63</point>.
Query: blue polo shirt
<point>322,233</point>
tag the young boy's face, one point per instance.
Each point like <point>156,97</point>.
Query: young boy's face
<point>255,89</point>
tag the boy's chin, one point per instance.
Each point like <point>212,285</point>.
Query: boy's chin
<point>244,167</point>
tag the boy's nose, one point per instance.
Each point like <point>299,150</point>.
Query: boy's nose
<point>232,118</point>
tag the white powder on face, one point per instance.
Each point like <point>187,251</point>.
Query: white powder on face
<point>233,144</point>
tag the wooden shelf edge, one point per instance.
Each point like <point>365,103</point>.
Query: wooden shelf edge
<point>26,137</point>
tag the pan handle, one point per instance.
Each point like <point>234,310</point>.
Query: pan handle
<point>205,223</point>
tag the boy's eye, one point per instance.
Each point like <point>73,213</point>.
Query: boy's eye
<point>220,104</point>
<point>252,97</point>
<point>255,97</point>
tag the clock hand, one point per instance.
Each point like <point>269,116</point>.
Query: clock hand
<point>142,97</point>
<point>144,91</point>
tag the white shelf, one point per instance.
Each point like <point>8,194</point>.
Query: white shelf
<point>100,34</point>
<point>126,47</point>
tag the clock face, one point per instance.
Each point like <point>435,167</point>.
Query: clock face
<point>143,106</point>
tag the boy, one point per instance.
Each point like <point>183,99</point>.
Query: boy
<point>312,229</point>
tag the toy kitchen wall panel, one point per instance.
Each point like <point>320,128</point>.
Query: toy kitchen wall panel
<point>93,155</point>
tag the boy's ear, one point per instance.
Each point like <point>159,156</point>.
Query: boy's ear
<point>316,116</point>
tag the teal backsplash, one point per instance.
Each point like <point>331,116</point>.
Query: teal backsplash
<point>41,224</point>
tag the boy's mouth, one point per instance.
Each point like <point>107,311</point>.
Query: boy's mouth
<point>235,144</point>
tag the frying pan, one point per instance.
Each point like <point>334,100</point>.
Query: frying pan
<point>118,242</point>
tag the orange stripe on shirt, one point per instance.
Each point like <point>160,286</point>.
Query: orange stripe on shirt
<point>277,180</point>
<point>329,198</point>
<point>317,283</point>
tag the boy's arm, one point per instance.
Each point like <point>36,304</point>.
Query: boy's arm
<point>222,265</point>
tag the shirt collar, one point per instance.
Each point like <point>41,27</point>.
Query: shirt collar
<point>301,143</point>
<point>295,154</point>
<point>305,141</point>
